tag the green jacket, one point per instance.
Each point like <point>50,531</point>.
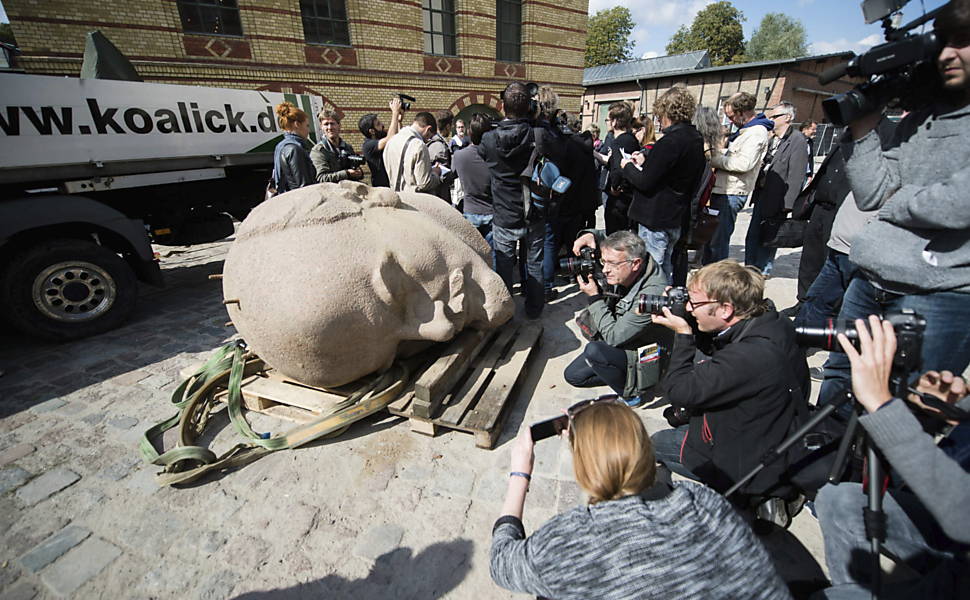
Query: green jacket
<point>616,322</point>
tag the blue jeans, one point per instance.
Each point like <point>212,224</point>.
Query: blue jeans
<point>728,208</point>
<point>550,252</point>
<point>756,254</point>
<point>532,239</point>
<point>911,534</point>
<point>660,246</point>
<point>946,341</point>
<point>666,448</point>
<point>483,223</point>
<point>825,294</point>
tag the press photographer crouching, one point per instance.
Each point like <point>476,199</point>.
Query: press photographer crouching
<point>638,536</point>
<point>742,400</point>
<point>926,520</point>
<point>626,350</point>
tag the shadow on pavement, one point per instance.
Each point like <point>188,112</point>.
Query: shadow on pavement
<point>398,574</point>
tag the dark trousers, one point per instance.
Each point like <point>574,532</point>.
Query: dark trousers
<point>599,364</point>
<point>815,247</point>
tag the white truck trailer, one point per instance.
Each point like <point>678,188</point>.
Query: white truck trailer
<point>93,171</point>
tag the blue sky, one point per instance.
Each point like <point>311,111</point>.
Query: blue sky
<point>830,25</point>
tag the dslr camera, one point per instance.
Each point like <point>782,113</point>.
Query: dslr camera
<point>585,265</point>
<point>900,72</point>
<point>675,299</point>
<point>351,161</point>
<point>907,325</point>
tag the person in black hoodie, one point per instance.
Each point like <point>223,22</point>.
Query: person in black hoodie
<point>745,398</point>
<point>507,150</point>
<point>664,184</point>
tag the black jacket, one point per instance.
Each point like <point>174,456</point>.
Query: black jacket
<point>294,169</point>
<point>614,180</point>
<point>506,151</point>
<point>663,190</point>
<point>583,196</point>
<point>742,400</point>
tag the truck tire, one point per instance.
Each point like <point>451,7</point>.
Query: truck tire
<point>67,289</point>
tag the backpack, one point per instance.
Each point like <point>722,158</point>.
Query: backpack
<point>703,223</point>
<point>543,183</point>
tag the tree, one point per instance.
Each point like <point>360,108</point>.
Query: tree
<point>608,37</point>
<point>717,29</point>
<point>777,37</point>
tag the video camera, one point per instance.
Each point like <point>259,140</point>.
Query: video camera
<point>901,72</point>
<point>406,101</point>
<point>675,299</point>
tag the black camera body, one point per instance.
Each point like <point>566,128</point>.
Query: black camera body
<point>351,161</point>
<point>406,101</point>
<point>675,300</point>
<point>585,265</point>
<point>901,72</point>
<point>907,324</point>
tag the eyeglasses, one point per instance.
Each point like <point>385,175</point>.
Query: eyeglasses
<point>774,117</point>
<point>615,263</point>
<point>700,304</point>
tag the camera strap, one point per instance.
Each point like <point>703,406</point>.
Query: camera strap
<point>400,167</point>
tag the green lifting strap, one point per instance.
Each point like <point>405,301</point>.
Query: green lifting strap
<point>195,398</point>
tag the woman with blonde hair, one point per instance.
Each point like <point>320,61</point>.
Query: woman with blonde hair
<point>638,537</point>
<point>292,167</point>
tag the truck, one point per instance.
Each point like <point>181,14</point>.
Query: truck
<point>93,171</point>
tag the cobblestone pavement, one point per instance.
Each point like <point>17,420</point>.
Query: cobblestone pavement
<point>379,512</point>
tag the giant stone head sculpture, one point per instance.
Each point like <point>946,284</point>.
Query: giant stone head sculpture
<point>333,280</point>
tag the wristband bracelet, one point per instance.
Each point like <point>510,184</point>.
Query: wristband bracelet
<point>526,476</point>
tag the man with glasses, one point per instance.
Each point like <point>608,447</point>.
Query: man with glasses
<point>744,398</point>
<point>778,184</point>
<point>626,351</point>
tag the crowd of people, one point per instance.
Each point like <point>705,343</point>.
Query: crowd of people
<point>885,232</point>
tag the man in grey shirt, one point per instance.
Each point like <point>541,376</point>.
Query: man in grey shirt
<point>475,181</point>
<point>916,254</point>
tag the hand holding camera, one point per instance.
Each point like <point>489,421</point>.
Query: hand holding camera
<point>873,362</point>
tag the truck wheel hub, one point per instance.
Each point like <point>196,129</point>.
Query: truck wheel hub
<point>73,291</point>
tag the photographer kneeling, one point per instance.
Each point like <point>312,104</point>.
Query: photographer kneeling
<point>625,351</point>
<point>638,537</point>
<point>743,400</point>
<point>927,524</point>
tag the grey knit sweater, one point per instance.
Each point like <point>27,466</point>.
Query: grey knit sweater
<point>680,542</point>
<point>920,241</point>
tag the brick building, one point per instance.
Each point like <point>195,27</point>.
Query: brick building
<point>641,81</point>
<point>454,54</point>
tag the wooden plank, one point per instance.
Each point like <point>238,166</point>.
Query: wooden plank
<point>310,399</point>
<point>423,427</point>
<point>433,385</point>
<point>479,375</point>
<point>399,406</point>
<point>485,416</point>
<point>290,413</point>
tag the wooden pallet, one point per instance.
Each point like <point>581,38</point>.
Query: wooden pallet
<point>464,384</point>
<point>469,386</point>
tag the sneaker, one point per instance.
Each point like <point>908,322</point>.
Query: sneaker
<point>817,373</point>
<point>551,295</point>
<point>774,511</point>
<point>634,401</point>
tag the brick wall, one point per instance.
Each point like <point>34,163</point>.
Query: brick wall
<point>386,53</point>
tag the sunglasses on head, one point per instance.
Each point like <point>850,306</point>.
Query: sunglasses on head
<point>556,425</point>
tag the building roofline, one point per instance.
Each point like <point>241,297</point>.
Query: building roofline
<point>763,63</point>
